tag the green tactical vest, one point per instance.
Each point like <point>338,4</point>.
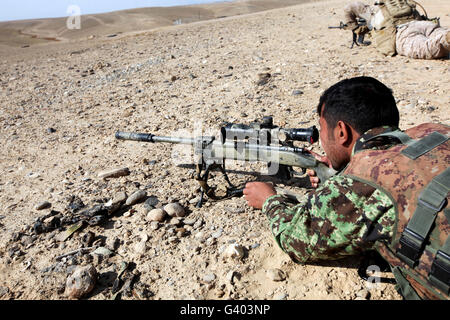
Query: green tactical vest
<point>415,174</point>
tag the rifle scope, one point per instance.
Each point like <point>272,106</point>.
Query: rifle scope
<point>241,132</point>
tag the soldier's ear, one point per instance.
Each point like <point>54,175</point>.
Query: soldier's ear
<point>344,134</point>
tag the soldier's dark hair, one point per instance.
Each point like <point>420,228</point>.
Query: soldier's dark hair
<point>362,102</point>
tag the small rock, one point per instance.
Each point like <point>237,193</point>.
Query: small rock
<point>280,296</point>
<point>81,282</point>
<point>3,291</point>
<point>235,210</point>
<point>211,241</point>
<point>199,235</point>
<point>194,200</point>
<point>263,78</point>
<point>114,173</point>
<point>231,275</point>
<point>151,202</point>
<point>275,274</point>
<point>140,247</point>
<point>120,197</point>
<point>364,294</point>
<point>88,238</point>
<point>198,224</point>
<point>220,293</point>
<point>173,239</point>
<point>297,92</point>
<point>189,222</point>
<point>217,234</point>
<point>181,232</point>
<point>96,220</point>
<point>156,215</point>
<point>174,210</point>
<point>51,130</point>
<point>102,251</point>
<point>75,204</point>
<point>234,251</point>
<point>136,197</point>
<point>113,243</point>
<point>154,225</point>
<point>97,210</point>
<point>43,205</point>
<point>209,277</point>
<point>174,221</point>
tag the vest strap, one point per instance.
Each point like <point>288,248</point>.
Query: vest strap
<point>440,269</point>
<point>432,199</point>
<point>403,137</point>
<point>403,286</point>
<point>422,146</point>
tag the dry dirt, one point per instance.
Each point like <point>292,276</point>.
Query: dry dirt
<point>61,104</point>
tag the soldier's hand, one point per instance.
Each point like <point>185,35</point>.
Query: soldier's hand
<point>313,178</point>
<point>257,192</point>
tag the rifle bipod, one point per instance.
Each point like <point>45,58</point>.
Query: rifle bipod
<point>231,190</point>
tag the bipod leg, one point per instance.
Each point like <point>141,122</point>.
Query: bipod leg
<point>222,169</point>
<point>203,181</point>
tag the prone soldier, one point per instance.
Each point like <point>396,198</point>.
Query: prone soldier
<point>391,193</point>
<point>397,27</point>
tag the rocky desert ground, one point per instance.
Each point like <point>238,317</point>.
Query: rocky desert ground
<point>62,102</point>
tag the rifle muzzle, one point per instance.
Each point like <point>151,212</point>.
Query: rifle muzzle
<point>146,137</point>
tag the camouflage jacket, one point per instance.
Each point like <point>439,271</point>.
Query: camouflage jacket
<point>340,218</point>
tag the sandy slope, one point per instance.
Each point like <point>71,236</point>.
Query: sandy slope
<point>166,81</point>
<point>29,32</point>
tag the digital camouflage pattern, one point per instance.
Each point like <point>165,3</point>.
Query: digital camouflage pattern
<point>340,218</point>
<point>350,213</point>
<point>405,179</point>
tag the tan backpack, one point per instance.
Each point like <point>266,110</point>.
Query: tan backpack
<point>395,12</point>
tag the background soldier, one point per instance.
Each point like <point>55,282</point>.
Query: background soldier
<point>397,27</point>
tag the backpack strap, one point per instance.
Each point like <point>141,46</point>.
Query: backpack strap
<point>440,269</point>
<point>432,199</point>
<point>403,286</point>
<point>400,135</point>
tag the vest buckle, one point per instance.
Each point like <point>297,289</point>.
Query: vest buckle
<point>411,247</point>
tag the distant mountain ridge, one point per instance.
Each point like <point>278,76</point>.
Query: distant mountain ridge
<point>35,31</point>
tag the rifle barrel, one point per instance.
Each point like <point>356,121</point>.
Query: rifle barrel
<point>148,137</point>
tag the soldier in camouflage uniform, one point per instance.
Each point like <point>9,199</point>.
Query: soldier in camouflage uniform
<point>347,215</point>
<point>334,220</point>
<point>396,28</point>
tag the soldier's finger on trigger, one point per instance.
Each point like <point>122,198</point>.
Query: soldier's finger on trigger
<point>310,172</point>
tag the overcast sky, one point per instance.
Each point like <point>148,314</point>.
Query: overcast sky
<point>30,9</point>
